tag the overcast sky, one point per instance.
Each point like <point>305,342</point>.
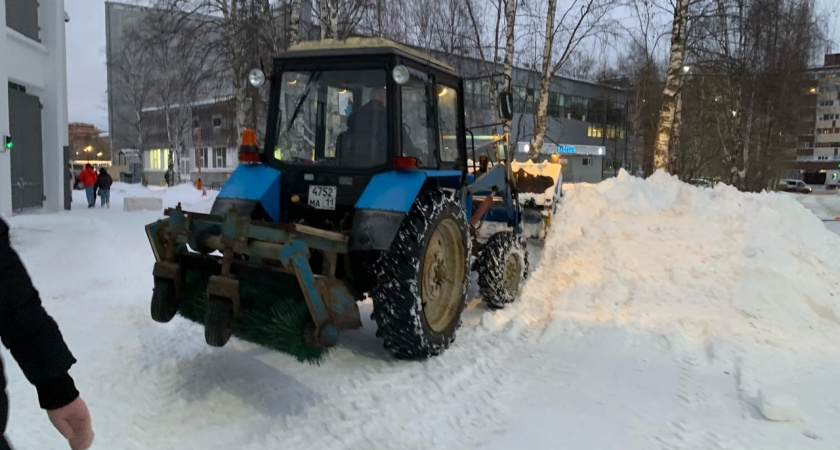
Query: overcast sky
<point>86,78</point>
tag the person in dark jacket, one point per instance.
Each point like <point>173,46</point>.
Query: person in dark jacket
<point>103,185</point>
<point>35,342</point>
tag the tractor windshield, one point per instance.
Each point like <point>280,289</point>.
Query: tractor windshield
<point>333,118</point>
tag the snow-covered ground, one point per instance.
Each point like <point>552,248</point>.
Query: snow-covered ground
<point>658,316</point>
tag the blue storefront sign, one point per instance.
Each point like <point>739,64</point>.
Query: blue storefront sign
<point>566,149</point>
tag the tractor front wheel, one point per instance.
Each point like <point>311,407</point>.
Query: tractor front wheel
<point>422,281</point>
<point>218,321</point>
<point>502,268</point>
<point>164,300</point>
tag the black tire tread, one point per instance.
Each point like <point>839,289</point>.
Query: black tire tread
<point>397,307</point>
<point>164,302</point>
<point>218,321</point>
<point>491,268</point>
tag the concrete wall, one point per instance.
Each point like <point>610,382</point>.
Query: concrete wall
<point>41,68</point>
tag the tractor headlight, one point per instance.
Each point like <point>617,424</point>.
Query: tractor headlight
<point>400,74</point>
<point>256,77</point>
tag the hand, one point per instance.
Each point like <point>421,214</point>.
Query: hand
<point>73,422</point>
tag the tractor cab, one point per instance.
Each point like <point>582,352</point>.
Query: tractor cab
<point>342,111</point>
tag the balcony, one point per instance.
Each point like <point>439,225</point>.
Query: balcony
<point>813,158</point>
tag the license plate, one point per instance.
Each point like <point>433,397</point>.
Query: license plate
<point>322,197</point>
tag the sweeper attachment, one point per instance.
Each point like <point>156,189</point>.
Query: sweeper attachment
<point>361,189</point>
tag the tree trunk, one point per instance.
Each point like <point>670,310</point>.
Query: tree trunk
<point>240,101</point>
<point>676,126</point>
<point>672,84</point>
<point>328,16</point>
<point>545,84</point>
<point>745,183</point>
<point>294,23</point>
<point>510,19</point>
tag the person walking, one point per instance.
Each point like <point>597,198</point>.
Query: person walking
<point>88,178</point>
<point>36,343</point>
<point>103,186</point>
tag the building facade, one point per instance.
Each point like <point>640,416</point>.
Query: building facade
<point>34,164</point>
<point>209,151</point>
<point>586,124</point>
<point>817,157</point>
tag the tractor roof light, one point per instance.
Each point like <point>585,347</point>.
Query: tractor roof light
<point>400,74</point>
<point>256,77</point>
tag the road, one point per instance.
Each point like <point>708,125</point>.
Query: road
<point>833,226</point>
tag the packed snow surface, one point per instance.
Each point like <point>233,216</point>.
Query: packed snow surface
<point>658,315</point>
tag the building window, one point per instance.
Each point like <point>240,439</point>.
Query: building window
<point>595,132</point>
<point>158,159</point>
<point>22,16</point>
<point>201,158</point>
<point>220,157</point>
<point>586,161</point>
<point>555,99</point>
<point>577,107</point>
<point>615,133</point>
<point>217,122</point>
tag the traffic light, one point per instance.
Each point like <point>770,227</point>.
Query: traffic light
<point>9,143</point>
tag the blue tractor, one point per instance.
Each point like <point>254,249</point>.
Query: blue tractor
<point>363,187</point>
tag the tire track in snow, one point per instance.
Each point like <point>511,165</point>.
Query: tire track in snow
<point>450,401</point>
<point>690,431</point>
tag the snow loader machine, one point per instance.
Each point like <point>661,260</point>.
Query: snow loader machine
<point>362,188</point>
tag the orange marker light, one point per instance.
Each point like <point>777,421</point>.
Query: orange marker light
<point>249,137</point>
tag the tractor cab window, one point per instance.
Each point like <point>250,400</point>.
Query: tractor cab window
<point>333,118</point>
<point>418,125</point>
<point>448,118</point>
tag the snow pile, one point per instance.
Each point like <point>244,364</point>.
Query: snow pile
<point>693,264</point>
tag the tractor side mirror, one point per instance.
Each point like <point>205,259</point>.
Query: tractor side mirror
<point>506,105</point>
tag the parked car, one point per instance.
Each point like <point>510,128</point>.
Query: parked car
<point>704,182</point>
<point>799,186</point>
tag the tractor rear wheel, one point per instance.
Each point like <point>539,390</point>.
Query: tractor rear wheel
<point>422,281</point>
<point>218,321</point>
<point>164,300</point>
<point>502,267</point>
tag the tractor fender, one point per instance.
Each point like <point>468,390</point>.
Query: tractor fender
<point>384,204</point>
<point>250,186</point>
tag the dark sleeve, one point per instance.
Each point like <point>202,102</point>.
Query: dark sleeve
<point>30,334</point>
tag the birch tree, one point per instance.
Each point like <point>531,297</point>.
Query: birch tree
<point>294,23</point>
<point>510,28</point>
<point>328,17</point>
<point>582,20</point>
<point>668,114</point>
